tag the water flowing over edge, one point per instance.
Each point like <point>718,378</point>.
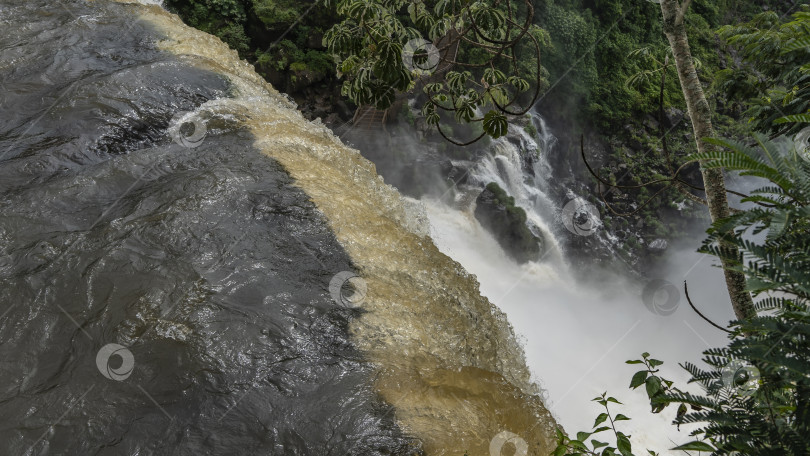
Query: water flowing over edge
<point>446,358</point>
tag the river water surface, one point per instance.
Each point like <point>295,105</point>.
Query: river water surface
<point>169,230</point>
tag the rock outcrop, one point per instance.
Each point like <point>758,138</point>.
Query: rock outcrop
<point>496,211</point>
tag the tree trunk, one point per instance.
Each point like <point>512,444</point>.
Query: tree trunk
<point>701,116</point>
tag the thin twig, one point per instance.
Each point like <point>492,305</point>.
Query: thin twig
<point>689,300</point>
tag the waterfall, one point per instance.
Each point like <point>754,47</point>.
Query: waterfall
<point>576,336</point>
<point>518,163</point>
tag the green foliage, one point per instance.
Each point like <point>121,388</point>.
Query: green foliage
<point>500,194</point>
<point>775,77</point>
<point>495,124</point>
<point>274,34</point>
<point>587,62</point>
<point>590,41</point>
<point>223,18</point>
<point>783,214</point>
<point>772,416</point>
<point>507,201</point>
<point>387,47</point>
<point>585,444</point>
<point>278,15</point>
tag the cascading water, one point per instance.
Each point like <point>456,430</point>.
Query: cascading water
<point>576,335</point>
<point>506,166</point>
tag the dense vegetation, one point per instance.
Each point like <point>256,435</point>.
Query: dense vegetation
<point>283,38</point>
<point>755,398</point>
<point>584,56</point>
<point>592,54</point>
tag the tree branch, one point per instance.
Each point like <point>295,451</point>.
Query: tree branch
<point>686,292</point>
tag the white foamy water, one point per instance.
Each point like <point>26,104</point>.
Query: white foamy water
<point>577,338</point>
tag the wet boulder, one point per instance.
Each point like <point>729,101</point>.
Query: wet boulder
<point>497,213</point>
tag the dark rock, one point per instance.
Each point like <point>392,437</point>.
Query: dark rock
<point>497,213</point>
<point>275,77</point>
<point>344,110</point>
<point>331,120</point>
<point>320,110</point>
<point>672,116</point>
<point>457,174</point>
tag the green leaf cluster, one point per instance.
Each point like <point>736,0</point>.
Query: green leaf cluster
<point>774,80</point>
<point>464,55</point>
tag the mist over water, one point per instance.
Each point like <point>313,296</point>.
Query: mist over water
<point>578,333</point>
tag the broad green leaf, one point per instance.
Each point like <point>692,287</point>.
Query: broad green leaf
<point>653,386</point>
<point>623,443</point>
<point>597,444</point>
<point>494,76</point>
<point>600,419</point>
<point>638,379</point>
<point>495,124</point>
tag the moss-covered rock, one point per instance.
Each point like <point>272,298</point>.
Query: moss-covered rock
<point>495,210</point>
